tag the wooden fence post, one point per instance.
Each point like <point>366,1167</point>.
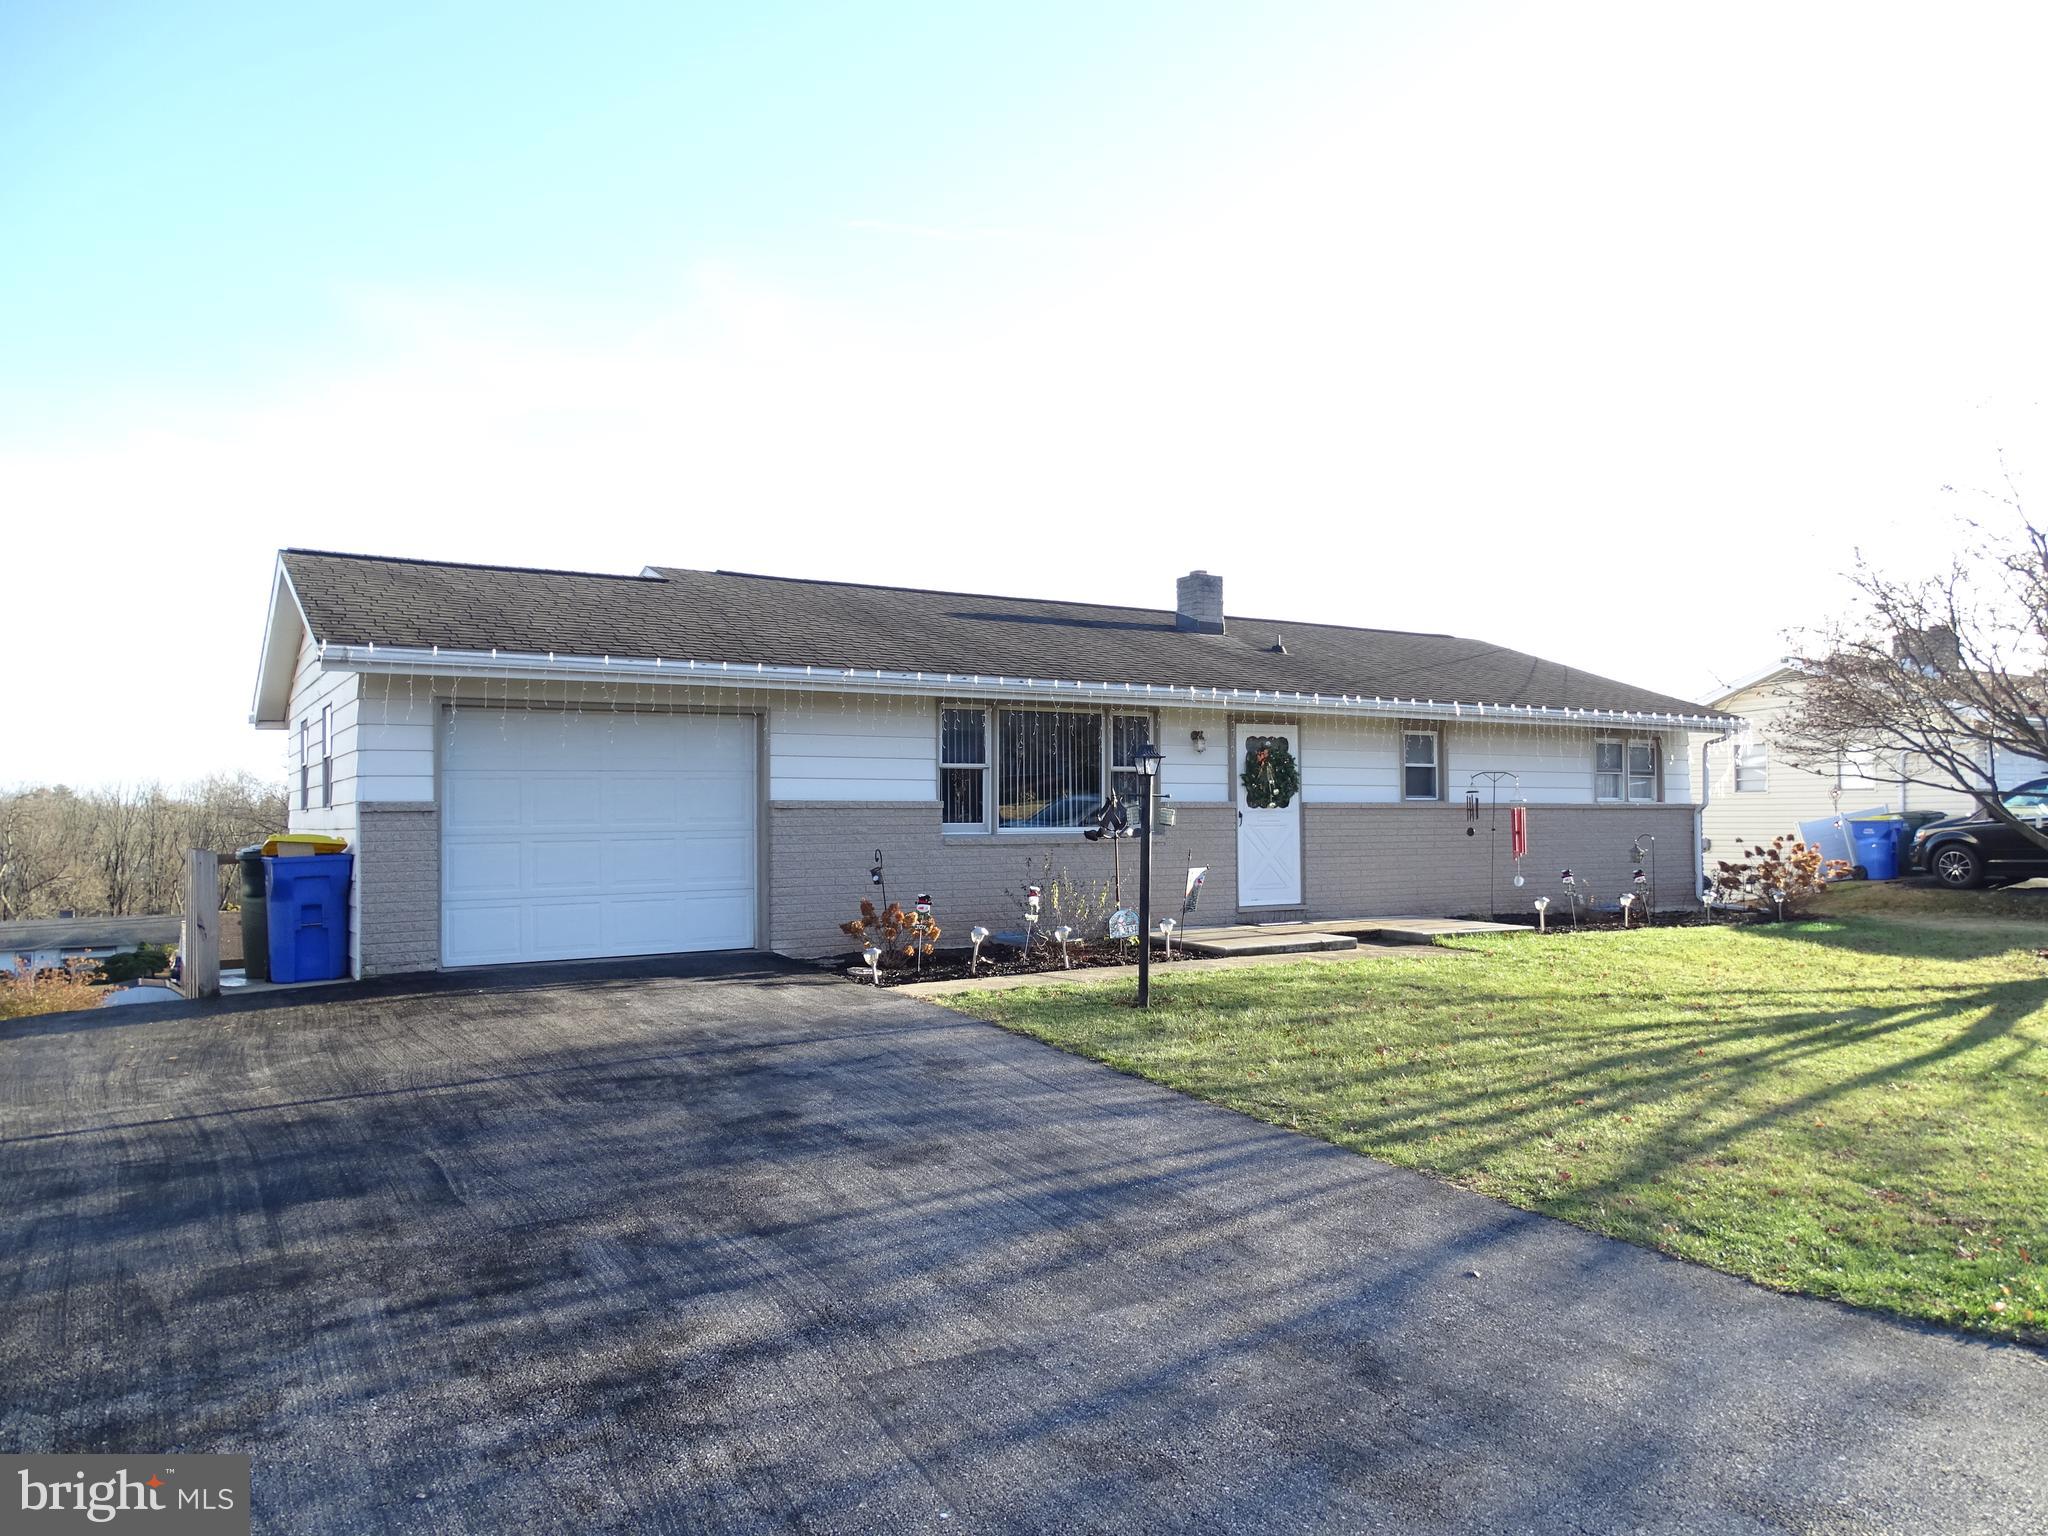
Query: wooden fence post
<point>200,952</point>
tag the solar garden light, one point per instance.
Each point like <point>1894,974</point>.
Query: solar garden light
<point>1542,906</point>
<point>1166,933</point>
<point>873,955</point>
<point>1147,760</point>
<point>977,934</point>
<point>1627,902</point>
<point>1064,933</point>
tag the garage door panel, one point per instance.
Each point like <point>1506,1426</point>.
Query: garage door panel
<point>477,802</point>
<point>725,922</point>
<point>482,868</point>
<point>649,861</point>
<point>564,930</point>
<point>558,865</point>
<point>574,835</point>
<point>723,863</point>
<point>484,933</point>
<point>562,802</point>
<point>725,801</point>
<point>642,801</point>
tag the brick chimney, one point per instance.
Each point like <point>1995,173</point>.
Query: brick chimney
<point>1198,603</point>
<point>1934,650</point>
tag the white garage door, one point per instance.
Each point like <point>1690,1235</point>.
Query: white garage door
<point>568,835</point>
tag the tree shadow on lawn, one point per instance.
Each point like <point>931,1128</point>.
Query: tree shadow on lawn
<point>1958,938</point>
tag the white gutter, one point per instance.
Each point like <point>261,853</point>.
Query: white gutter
<point>435,661</point>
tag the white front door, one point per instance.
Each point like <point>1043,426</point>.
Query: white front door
<point>1268,837</point>
<point>566,835</point>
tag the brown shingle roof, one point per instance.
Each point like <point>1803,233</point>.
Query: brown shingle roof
<point>730,616</point>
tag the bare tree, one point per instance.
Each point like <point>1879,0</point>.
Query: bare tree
<point>1944,672</point>
<point>121,851</point>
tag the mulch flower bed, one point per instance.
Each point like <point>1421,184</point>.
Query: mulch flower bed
<point>1002,960</point>
<point>1560,919</point>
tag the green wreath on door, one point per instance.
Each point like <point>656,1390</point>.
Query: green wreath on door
<point>1271,776</point>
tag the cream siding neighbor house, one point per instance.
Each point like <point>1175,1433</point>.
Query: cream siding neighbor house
<point>535,765</point>
<point>1754,793</point>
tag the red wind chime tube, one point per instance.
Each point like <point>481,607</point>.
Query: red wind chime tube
<point>1518,831</point>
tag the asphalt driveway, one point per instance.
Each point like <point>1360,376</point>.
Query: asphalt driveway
<point>619,1249</point>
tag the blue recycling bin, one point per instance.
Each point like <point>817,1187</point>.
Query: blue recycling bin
<point>1876,841</point>
<point>308,901</point>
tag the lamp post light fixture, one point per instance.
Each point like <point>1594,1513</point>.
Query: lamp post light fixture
<point>1147,760</point>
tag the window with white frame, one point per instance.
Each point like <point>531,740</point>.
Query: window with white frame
<point>1752,768</point>
<point>1052,768</point>
<point>1625,771</point>
<point>327,754</point>
<point>963,768</point>
<point>1127,734</point>
<point>305,765</point>
<point>1420,779</point>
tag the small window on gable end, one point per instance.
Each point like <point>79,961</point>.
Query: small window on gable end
<point>327,754</point>
<point>1752,768</point>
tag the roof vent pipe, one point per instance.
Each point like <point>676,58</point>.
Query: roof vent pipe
<point>1198,603</point>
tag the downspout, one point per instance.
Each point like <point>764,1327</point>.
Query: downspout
<point>1699,823</point>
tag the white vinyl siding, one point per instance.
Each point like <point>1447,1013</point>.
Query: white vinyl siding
<point>1189,777</point>
<point>319,695</point>
<point>831,747</point>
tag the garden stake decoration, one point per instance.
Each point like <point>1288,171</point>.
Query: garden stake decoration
<point>1032,896</point>
<point>1644,852</point>
<point>1571,889</point>
<point>1542,906</point>
<point>977,933</point>
<point>875,877</point>
<point>1062,934</point>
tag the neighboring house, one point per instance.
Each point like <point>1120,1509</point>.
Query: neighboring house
<point>47,943</point>
<point>535,765</point>
<point>1754,793</point>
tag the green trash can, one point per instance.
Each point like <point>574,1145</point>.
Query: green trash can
<point>255,914</point>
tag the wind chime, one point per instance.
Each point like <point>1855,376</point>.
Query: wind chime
<point>1518,828</point>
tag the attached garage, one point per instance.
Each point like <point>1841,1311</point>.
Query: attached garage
<point>568,835</point>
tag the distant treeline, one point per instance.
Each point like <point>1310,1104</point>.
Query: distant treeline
<point>121,852</point>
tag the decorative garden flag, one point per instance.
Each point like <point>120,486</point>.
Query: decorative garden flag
<point>1196,875</point>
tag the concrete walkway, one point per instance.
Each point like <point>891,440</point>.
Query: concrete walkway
<point>612,1249</point>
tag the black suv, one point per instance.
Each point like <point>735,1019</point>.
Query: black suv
<point>1966,851</point>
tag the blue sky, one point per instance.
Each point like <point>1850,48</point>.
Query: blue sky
<point>1525,322</point>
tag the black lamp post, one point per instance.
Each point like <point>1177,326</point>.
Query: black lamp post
<point>1148,759</point>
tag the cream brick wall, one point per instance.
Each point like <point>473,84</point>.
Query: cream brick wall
<point>818,858</point>
<point>1384,860</point>
<point>1358,861</point>
<point>398,881</point>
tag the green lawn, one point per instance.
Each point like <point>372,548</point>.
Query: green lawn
<point>1855,1107</point>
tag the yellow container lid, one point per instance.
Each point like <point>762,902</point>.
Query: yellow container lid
<point>303,842</point>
